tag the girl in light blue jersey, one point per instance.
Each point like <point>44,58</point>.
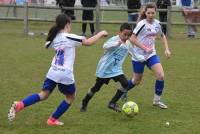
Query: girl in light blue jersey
<point>61,71</point>
<point>110,67</point>
<point>144,53</point>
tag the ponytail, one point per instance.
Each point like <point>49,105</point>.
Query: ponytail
<point>51,35</point>
<point>61,21</point>
<point>142,15</point>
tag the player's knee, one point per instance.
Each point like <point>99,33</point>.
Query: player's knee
<point>125,85</point>
<point>160,76</point>
<point>43,95</point>
<point>94,90</point>
<point>70,98</point>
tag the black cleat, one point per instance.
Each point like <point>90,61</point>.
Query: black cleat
<point>83,108</point>
<point>114,107</point>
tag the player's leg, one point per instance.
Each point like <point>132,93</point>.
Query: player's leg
<point>92,29</point>
<point>138,69</point>
<point>156,67</point>
<point>17,106</point>
<point>91,18</point>
<point>191,31</point>
<point>84,25</point>
<point>69,91</point>
<point>99,83</point>
<point>124,83</point>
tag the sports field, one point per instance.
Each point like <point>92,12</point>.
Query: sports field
<point>24,63</point>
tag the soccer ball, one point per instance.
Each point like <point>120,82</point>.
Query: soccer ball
<point>130,108</point>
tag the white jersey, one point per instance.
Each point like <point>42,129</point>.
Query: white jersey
<point>61,70</point>
<point>146,34</point>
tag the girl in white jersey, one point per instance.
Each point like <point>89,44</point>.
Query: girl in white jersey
<point>144,53</point>
<point>61,70</point>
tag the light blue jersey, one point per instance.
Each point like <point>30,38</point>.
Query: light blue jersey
<point>110,64</point>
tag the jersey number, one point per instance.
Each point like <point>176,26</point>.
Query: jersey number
<point>59,57</point>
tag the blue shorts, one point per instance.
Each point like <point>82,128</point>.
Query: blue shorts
<point>138,67</point>
<point>65,89</point>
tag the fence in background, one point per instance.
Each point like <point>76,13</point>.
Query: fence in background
<point>98,11</point>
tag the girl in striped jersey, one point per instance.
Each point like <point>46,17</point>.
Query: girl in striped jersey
<point>144,53</point>
<point>61,70</point>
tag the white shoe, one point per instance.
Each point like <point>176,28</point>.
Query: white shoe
<point>12,111</point>
<point>159,104</point>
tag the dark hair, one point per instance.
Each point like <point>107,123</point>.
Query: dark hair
<point>142,13</point>
<point>61,21</point>
<point>125,26</point>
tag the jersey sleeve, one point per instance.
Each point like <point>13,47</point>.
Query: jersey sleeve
<point>75,40</point>
<point>158,28</point>
<point>139,27</point>
<point>160,32</point>
<point>111,43</point>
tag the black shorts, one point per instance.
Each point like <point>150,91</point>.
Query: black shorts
<point>120,78</point>
<point>87,15</point>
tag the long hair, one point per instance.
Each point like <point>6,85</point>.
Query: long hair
<point>142,13</point>
<point>61,21</point>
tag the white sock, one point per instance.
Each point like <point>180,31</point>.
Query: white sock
<point>156,97</point>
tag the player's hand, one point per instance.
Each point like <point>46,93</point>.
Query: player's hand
<point>148,50</point>
<point>104,33</point>
<point>167,53</point>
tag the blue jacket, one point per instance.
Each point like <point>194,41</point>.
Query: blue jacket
<point>186,2</point>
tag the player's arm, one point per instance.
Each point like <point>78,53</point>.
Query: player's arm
<point>139,29</point>
<point>90,41</point>
<point>134,41</point>
<point>112,43</point>
<point>166,46</point>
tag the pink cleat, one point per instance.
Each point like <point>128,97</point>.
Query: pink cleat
<point>15,107</point>
<point>54,122</point>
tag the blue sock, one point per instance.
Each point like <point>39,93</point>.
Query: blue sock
<point>31,100</point>
<point>61,109</point>
<point>159,86</point>
<point>130,85</point>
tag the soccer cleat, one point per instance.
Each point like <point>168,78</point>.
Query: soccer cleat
<point>15,108</point>
<point>124,97</point>
<point>159,104</point>
<point>114,107</point>
<point>83,108</point>
<point>12,112</point>
<point>54,122</point>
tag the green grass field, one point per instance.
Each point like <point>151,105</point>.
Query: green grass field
<point>24,64</point>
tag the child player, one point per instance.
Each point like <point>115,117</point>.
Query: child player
<point>110,67</point>
<point>61,71</point>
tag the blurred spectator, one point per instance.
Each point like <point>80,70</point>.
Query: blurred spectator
<point>187,6</point>
<point>67,3</point>
<point>163,4</point>
<point>88,15</point>
<point>133,15</point>
<point>104,2</point>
